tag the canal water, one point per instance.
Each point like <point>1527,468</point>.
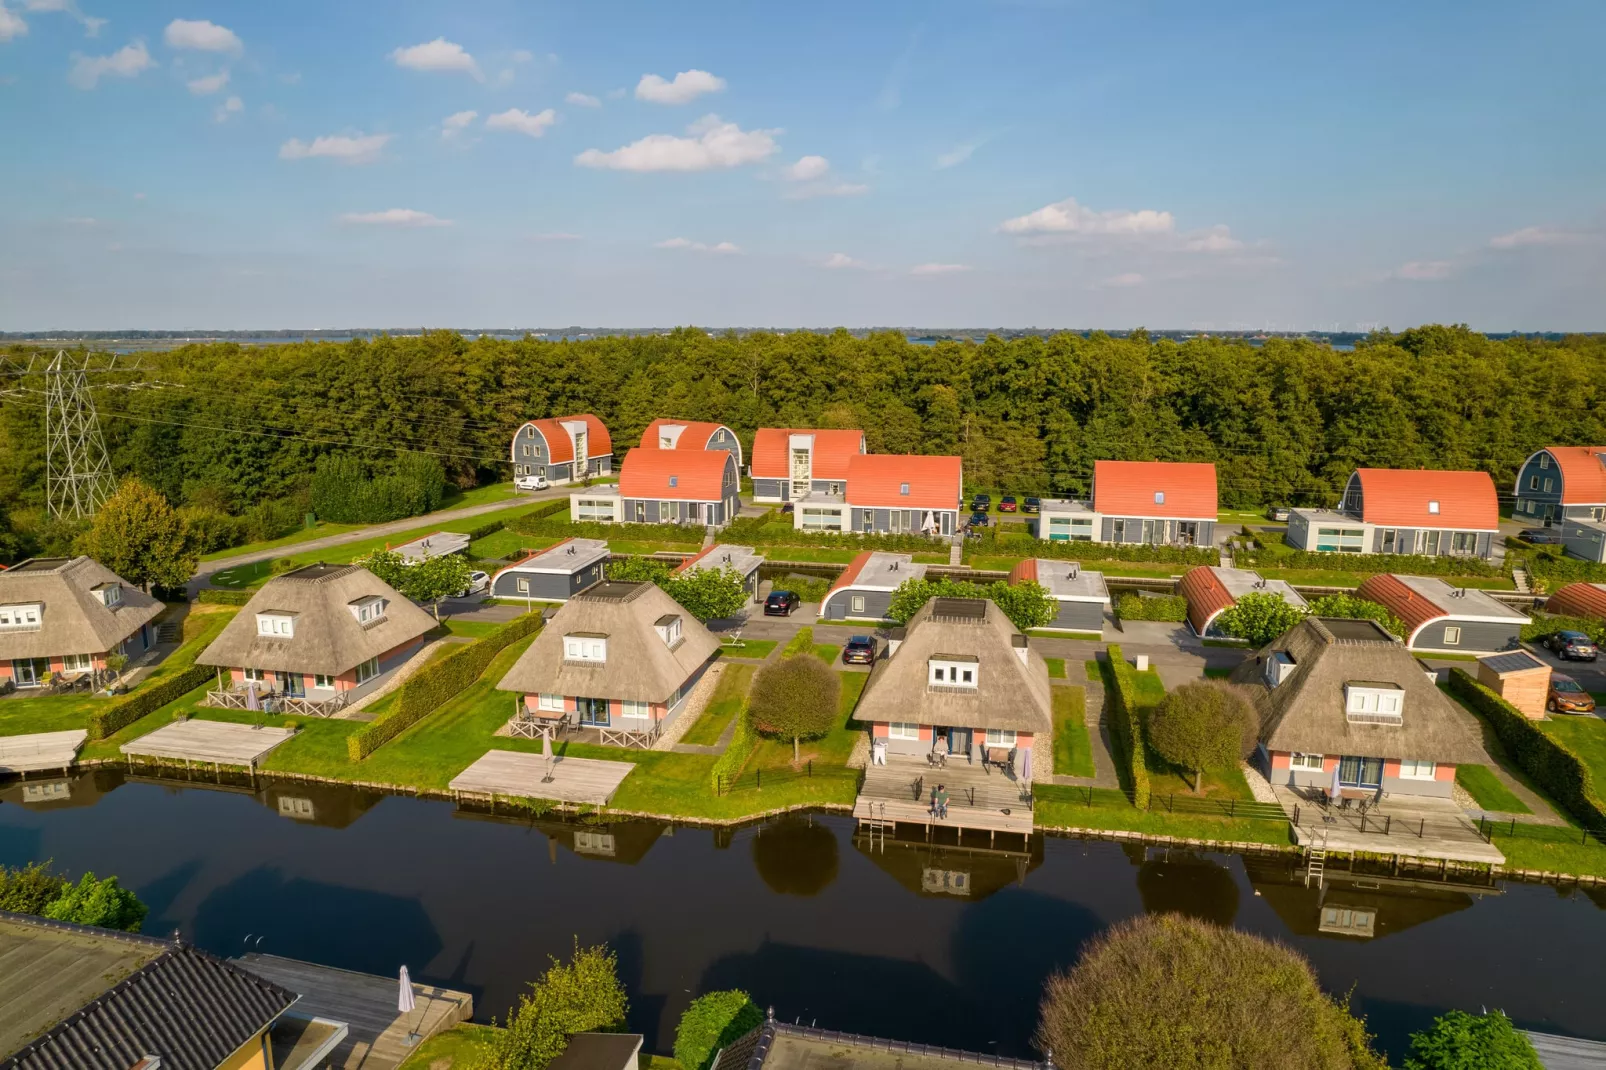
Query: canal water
<point>913,942</point>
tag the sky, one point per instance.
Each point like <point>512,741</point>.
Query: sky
<point>208,164</point>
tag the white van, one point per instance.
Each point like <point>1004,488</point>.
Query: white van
<point>529,482</point>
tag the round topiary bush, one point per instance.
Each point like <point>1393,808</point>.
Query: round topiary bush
<point>795,698</point>
<point>1203,725</point>
<point>712,1022</point>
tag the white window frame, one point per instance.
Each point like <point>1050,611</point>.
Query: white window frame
<point>550,703</point>
<point>940,673</point>
<point>903,730</point>
<point>1433,508</point>
<point>276,625</point>
<point>1418,769</point>
<point>322,682</point>
<point>584,648</point>
<point>1452,635</point>
<point>368,670</point>
<point>112,596</point>
<point>256,676</point>
<point>856,603</point>
<point>77,662</point>
<point>639,711</point>
<point>1308,763</point>
<point>522,584</point>
<point>1159,497</point>
<point>1001,737</point>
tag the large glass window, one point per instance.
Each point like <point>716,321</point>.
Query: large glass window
<point>593,509</point>
<point>817,519</point>
<point>1000,737</point>
<point>1360,772</point>
<point>1417,769</point>
<point>367,670</point>
<point>903,730</point>
<point>1070,529</point>
<point>1341,540</point>
<point>1463,542</point>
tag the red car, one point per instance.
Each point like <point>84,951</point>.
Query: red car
<point>1006,504</point>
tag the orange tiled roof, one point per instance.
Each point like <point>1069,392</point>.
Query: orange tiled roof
<point>560,447</point>
<point>1413,609</point>
<point>1024,571</point>
<point>1206,596</point>
<point>1583,474</point>
<point>1129,488</point>
<point>877,479</point>
<point>694,437</point>
<point>698,556</point>
<point>833,449</point>
<point>1402,497</point>
<point>675,475</point>
<point>851,573</point>
<point>1578,600</point>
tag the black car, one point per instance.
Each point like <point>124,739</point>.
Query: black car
<point>1032,505</point>
<point>981,503</point>
<point>781,603</point>
<point>859,651</point>
<point>978,519</point>
<point>1540,536</point>
<point>1571,646</point>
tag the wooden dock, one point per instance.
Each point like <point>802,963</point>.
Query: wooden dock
<point>1401,825</point>
<point>514,774</point>
<point>40,750</point>
<point>215,743</point>
<point>979,798</point>
<point>376,1037</point>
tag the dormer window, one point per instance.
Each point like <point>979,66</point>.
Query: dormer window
<point>110,595</point>
<point>1159,497</point>
<point>21,618</point>
<point>276,625</point>
<point>666,442</point>
<point>674,481</point>
<point>950,670</point>
<point>1279,667</point>
<point>1373,703</point>
<point>582,646</point>
<point>368,610</point>
<point>1433,508</point>
<point>903,488</point>
<point>669,629</point>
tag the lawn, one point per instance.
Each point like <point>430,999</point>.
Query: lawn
<point>317,531</point>
<point>1073,750</point>
<point>1166,779</point>
<point>473,629</point>
<point>348,552</point>
<point>755,649</point>
<point>243,575</point>
<point>499,545</point>
<point>1094,673</point>
<point>827,652</point>
<point>458,1048</point>
<point>1487,791</point>
<point>1322,577</point>
<point>1056,667</point>
<point>642,549</point>
<point>814,555</point>
<point>728,698</point>
<point>1587,738</point>
<point>1066,807</point>
<point>1526,851</point>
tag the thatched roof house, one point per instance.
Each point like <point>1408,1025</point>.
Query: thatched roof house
<point>52,607</point>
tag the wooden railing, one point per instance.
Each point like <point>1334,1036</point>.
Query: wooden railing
<point>276,702</point>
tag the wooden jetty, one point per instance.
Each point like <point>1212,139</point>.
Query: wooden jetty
<point>40,750</point>
<point>214,743</point>
<point>514,774</point>
<point>980,799</point>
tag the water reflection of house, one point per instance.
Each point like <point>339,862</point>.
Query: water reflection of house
<point>626,842</point>
<point>325,805</point>
<point>951,872</point>
<point>61,793</point>
<point>1357,905</point>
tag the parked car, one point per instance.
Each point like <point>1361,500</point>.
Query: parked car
<point>1540,536</point>
<point>1007,504</point>
<point>786,508</point>
<point>981,503</point>
<point>1571,646</point>
<point>859,651</point>
<point>1278,513</point>
<point>781,603</point>
<point>529,482</point>
<point>978,519</point>
<point>478,583</point>
<point>1032,505</point>
<point>1568,695</point>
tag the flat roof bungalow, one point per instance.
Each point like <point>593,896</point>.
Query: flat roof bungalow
<point>555,574</point>
<point>692,435</point>
<point>1211,590</point>
<point>1405,511</point>
<point>678,486</point>
<point>1345,697</point>
<point>440,544</point>
<point>864,590</point>
<point>1578,600</point>
<point>1562,482</point>
<point>64,615</point>
<point>314,641</point>
<point>790,462</point>
<point>1082,596</point>
<point>1446,619</point>
<point>621,658</point>
<point>561,449</point>
<point>1158,503</point>
<point>743,560</point>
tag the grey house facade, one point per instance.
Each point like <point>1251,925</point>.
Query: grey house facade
<point>864,590</point>
<point>1082,597</point>
<point>679,486</point>
<point>1439,617</point>
<point>562,450</point>
<point>555,574</point>
<point>1585,539</point>
<point>1562,483</point>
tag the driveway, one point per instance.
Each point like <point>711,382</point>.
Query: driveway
<point>1592,674</point>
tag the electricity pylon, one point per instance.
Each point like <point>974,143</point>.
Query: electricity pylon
<point>78,471</point>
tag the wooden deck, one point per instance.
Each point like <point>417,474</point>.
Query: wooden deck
<point>40,750</point>
<point>1409,828</point>
<point>514,774</point>
<point>208,743</point>
<point>377,1031</point>
<point>980,798</point>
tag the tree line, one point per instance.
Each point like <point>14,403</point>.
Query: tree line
<point>1286,421</point>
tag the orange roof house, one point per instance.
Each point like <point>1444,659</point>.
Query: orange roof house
<point>677,475</point>
<point>1172,489</point>
<point>548,447</point>
<point>1578,600</point>
<point>898,481</point>
<point>788,462</point>
<point>1559,482</point>
<point>1421,498</point>
<point>1439,617</point>
<point>691,435</point>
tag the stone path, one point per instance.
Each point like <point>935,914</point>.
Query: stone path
<point>355,711</point>
<point>696,703</point>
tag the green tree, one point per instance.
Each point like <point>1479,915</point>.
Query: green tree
<point>638,570</point>
<point>712,1022</point>
<point>388,565</point>
<point>139,536</point>
<point>1259,617</point>
<point>436,578</point>
<point>1462,1041</point>
<point>1166,990</point>
<point>582,995</point>
<point>31,889</point>
<point>1348,605</point>
<point>795,698</point>
<point>1028,605</point>
<point>104,903</point>
<point>708,593</point>
<point>1202,725</point>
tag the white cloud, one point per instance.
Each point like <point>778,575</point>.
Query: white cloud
<point>523,55</point>
<point>616,94</point>
<point>362,148</point>
<point>1217,239</point>
<point>687,86</point>
<point>837,261</point>
<point>724,247</point>
<point>395,217</point>
<point>457,122</point>
<point>1123,281</point>
<point>201,35</point>
<point>1537,236</point>
<point>1424,270</point>
<point>956,156</point>
<point>210,84</point>
<point>91,25</point>
<point>437,55</point>
<point>1068,217</point>
<point>938,269</point>
<point>11,24</point>
<point>87,71</point>
<point>521,121</point>
<point>582,100</point>
<point>808,168</point>
<point>232,106</point>
<point>713,144</point>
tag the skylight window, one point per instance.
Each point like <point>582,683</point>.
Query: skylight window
<point>674,481</point>
<point>1433,507</point>
<point>903,488</point>
<point>1159,497</point>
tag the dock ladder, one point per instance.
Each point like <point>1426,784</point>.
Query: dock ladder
<point>875,826</point>
<point>1316,858</point>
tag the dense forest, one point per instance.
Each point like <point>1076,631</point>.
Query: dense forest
<point>229,427</point>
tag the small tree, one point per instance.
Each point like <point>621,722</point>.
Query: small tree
<point>1203,725</point>
<point>29,890</point>
<point>98,902</point>
<point>139,536</point>
<point>1259,617</point>
<point>1170,991</point>
<point>712,1022</point>
<point>435,578</point>
<point>116,662</point>
<point>580,996</point>
<point>1462,1041</point>
<point>795,698</point>
<point>388,565</point>
<point>707,593</point>
<point>1028,605</point>
<point>1348,605</point>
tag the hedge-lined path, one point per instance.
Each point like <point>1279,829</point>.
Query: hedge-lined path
<point>357,710</point>
<point>1096,716</point>
<point>1543,813</point>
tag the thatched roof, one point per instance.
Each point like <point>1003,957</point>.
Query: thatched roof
<point>1306,712</point>
<point>1009,692</point>
<point>639,665</point>
<point>73,620</point>
<point>328,638</point>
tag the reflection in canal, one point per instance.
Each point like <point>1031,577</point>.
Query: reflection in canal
<point>911,940</point>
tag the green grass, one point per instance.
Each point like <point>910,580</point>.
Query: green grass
<point>241,576</point>
<point>1056,633</point>
<point>1073,750</point>
<point>641,549</point>
<point>727,700</point>
<point>1448,657</point>
<point>827,652</point>
<point>1056,667</point>
<point>1063,807</point>
<point>1094,673</point>
<point>1524,852</point>
<point>485,495</point>
<point>755,649</point>
<point>1585,735</point>
<point>1321,577</point>
<point>1164,778</point>
<point>815,555</point>
<point>348,552</point>
<point>317,531</point>
<point>458,1048</point>
<point>504,544</point>
<point>833,749</point>
<point>473,629</point>
<point>1217,672</point>
<point>1487,791</point>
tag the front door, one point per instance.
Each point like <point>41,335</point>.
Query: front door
<point>26,671</point>
<point>292,683</point>
<point>594,711</point>
<point>1188,532</point>
<point>959,741</point>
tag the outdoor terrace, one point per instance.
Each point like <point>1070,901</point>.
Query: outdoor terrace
<point>1411,827</point>
<point>981,797</point>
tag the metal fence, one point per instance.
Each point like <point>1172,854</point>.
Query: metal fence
<point>1559,834</point>
<point>759,779</point>
<point>1170,803</point>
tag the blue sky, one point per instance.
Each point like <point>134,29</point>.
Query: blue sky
<point>218,164</point>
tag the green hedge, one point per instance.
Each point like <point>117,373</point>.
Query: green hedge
<point>1549,569</point>
<point>217,596</point>
<point>744,741</point>
<point>1126,727</point>
<point>1166,607</point>
<point>1542,624</point>
<point>1004,544</point>
<point>1552,764</point>
<point>436,683</point>
<point>759,531</point>
<point>1272,552</point>
<point>485,529</point>
<point>544,523</point>
<point>109,720</point>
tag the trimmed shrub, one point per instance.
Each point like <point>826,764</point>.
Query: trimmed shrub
<point>1126,728</point>
<point>1012,544</point>
<point>1552,764</point>
<point>551,520</point>
<point>1550,569</point>
<point>485,529</point>
<point>711,1023</point>
<point>767,530</point>
<point>1271,551</point>
<point>217,596</point>
<point>1458,1040</point>
<point>1202,725</point>
<point>1027,604</point>
<point>728,766</point>
<point>1259,617</point>
<point>1543,624</point>
<point>435,684</point>
<point>801,642</point>
<point>1166,607</point>
<point>107,721</point>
